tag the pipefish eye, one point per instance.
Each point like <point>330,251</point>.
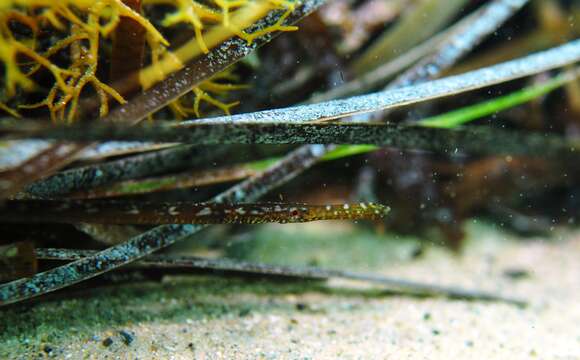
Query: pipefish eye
<point>294,212</point>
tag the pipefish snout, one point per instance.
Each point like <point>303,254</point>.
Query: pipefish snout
<point>138,212</point>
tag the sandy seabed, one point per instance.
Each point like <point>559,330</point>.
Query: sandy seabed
<point>216,318</point>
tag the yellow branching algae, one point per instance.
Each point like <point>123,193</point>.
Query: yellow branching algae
<point>189,105</point>
<point>71,41</point>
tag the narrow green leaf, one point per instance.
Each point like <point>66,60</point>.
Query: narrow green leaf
<point>477,111</point>
<point>343,151</point>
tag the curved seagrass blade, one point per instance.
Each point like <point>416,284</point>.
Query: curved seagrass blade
<point>168,182</point>
<point>409,92</point>
<point>42,164</point>
<point>309,273</point>
<point>473,140</point>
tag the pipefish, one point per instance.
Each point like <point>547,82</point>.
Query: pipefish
<point>153,213</point>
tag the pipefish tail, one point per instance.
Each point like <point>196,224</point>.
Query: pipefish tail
<point>152,213</point>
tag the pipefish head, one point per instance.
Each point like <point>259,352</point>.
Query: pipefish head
<point>296,213</point>
<point>368,211</point>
